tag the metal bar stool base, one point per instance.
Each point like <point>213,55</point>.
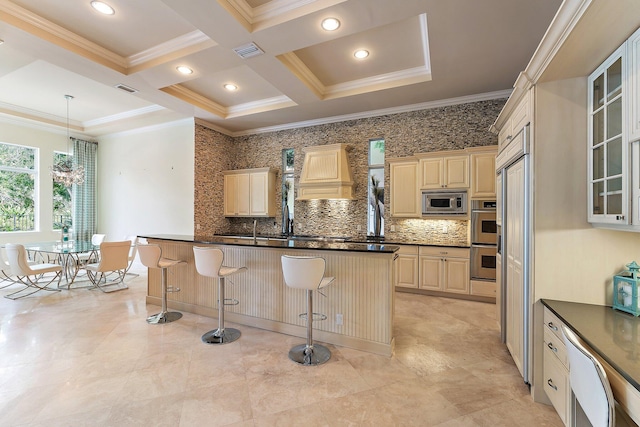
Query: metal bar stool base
<point>318,355</point>
<point>165,317</point>
<point>227,336</point>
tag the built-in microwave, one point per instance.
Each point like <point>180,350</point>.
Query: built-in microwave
<point>444,202</point>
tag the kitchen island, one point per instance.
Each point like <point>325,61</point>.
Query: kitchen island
<point>363,292</point>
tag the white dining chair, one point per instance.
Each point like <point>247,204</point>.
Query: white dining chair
<point>32,276</point>
<point>133,251</point>
<point>589,384</point>
<point>114,258</point>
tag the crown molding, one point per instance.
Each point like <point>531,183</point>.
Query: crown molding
<point>563,23</point>
<point>123,116</point>
<point>150,128</point>
<point>260,106</point>
<point>47,30</point>
<point>488,96</point>
<point>195,99</point>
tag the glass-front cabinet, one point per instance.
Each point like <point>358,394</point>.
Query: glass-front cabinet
<point>608,144</point>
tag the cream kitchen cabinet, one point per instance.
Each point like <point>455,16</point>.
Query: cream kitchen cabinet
<point>483,172</point>
<point>608,149</point>
<point>407,267</point>
<point>633,51</point>
<point>438,172</point>
<point>249,193</point>
<point>556,367</point>
<point>518,119</point>
<point>614,135</point>
<point>403,184</point>
<point>444,269</point>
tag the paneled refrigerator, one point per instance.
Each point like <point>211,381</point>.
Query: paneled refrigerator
<point>514,283</point>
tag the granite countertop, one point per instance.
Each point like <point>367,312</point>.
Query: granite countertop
<point>356,239</point>
<point>278,242</point>
<point>614,335</point>
<point>412,243</point>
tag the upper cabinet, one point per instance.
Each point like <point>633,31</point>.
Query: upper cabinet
<point>403,183</point>
<point>438,171</point>
<point>518,119</point>
<point>614,139</point>
<point>250,192</point>
<point>633,49</point>
<point>609,148</point>
<point>483,172</point>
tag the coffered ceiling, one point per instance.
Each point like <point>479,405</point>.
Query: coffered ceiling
<point>421,53</point>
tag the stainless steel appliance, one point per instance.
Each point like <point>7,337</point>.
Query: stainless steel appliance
<point>444,202</point>
<point>484,232</point>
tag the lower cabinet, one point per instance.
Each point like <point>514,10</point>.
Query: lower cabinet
<point>444,269</point>
<point>407,267</point>
<point>556,367</point>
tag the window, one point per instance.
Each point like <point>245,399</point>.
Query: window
<point>17,187</point>
<point>287,190</point>
<point>375,213</point>
<point>61,197</point>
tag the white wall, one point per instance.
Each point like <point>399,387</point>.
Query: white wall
<point>146,181</point>
<point>573,260</point>
<point>46,141</point>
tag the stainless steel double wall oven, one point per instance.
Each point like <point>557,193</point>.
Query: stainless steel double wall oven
<point>484,239</point>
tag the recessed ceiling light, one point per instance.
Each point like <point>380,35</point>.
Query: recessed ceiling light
<point>230,86</point>
<point>330,24</point>
<point>184,69</point>
<point>361,53</point>
<point>102,7</point>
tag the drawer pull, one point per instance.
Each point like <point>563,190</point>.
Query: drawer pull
<point>550,382</point>
<point>552,326</point>
<point>552,348</point>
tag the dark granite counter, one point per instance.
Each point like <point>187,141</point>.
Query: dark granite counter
<point>277,242</point>
<point>613,334</point>
<point>414,244</point>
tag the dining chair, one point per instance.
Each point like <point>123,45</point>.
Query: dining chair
<point>132,253</point>
<point>32,276</point>
<point>589,384</point>
<point>92,256</point>
<point>114,258</point>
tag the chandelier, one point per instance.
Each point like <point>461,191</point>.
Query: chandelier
<point>63,170</point>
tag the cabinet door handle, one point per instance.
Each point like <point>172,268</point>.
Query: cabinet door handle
<point>550,382</point>
<point>552,326</point>
<point>552,348</point>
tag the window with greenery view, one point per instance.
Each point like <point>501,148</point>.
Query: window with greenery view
<point>376,188</point>
<point>17,187</point>
<point>287,188</point>
<point>61,197</point>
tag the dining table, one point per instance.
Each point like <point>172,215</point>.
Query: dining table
<point>72,255</point>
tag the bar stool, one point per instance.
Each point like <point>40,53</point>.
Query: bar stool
<point>151,257</point>
<point>307,273</point>
<point>209,264</point>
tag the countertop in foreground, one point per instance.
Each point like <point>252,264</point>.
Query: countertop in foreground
<point>613,334</point>
<point>277,243</point>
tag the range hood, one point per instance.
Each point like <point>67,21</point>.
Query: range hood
<point>326,173</point>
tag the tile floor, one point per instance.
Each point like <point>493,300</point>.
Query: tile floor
<point>84,358</point>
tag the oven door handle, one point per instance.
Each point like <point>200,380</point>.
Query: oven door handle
<point>482,245</point>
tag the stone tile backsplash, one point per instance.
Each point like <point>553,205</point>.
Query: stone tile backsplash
<point>438,129</point>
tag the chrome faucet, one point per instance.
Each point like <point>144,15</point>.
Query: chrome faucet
<point>255,222</point>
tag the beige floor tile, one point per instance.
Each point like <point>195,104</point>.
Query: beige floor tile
<point>85,358</point>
